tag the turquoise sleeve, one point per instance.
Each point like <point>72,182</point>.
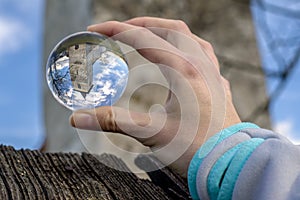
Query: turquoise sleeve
<point>245,162</point>
<point>238,154</point>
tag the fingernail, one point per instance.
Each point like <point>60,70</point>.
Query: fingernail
<point>91,27</point>
<point>82,120</point>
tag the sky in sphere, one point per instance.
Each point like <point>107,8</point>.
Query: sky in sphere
<point>21,119</point>
<point>21,39</point>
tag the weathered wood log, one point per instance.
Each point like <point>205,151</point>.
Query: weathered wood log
<point>165,178</point>
<point>27,174</point>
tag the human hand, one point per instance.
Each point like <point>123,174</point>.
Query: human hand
<point>199,102</point>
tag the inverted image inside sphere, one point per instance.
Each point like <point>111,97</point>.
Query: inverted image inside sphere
<point>81,81</point>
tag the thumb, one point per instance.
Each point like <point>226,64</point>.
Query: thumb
<point>114,119</point>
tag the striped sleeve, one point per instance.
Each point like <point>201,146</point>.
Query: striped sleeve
<point>233,165</point>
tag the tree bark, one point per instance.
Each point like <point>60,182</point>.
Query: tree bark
<point>27,174</point>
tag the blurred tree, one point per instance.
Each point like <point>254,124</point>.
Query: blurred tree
<point>277,25</point>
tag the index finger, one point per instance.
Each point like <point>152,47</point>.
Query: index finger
<point>151,46</point>
<point>139,38</point>
<point>177,25</point>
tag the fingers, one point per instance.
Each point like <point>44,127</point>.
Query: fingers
<point>151,46</point>
<point>104,119</point>
<point>176,32</point>
<point>114,119</point>
<point>208,49</point>
<point>137,37</point>
<point>176,25</point>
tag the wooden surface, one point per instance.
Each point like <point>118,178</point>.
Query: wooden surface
<point>26,174</point>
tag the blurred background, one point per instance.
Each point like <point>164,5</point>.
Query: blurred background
<point>257,43</point>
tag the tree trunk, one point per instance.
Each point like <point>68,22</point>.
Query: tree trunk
<point>26,174</point>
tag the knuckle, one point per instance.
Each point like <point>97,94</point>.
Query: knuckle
<point>143,31</point>
<point>226,83</point>
<point>143,18</point>
<point>181,26</point>
<point>109,121</point>
<point>113,23</point>
<point>138,34</point>
<point>208,46</point>
<point>188,67</point>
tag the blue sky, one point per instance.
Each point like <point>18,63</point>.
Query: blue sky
<point>21,73</point>
<point>21,38</point>
<point>284,30</point>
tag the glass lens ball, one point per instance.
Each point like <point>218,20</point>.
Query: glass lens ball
<point>87,70</point>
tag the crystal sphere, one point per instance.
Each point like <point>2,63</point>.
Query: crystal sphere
<point>86,70</point>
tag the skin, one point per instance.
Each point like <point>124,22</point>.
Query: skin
<point>196,86</point>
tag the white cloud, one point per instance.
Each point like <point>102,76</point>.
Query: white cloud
<point>13,35</point>
<point>287,128</point>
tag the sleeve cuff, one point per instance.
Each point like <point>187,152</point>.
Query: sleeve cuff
<point>206,148</point>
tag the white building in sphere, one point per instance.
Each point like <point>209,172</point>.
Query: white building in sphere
<point>81,60</point>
